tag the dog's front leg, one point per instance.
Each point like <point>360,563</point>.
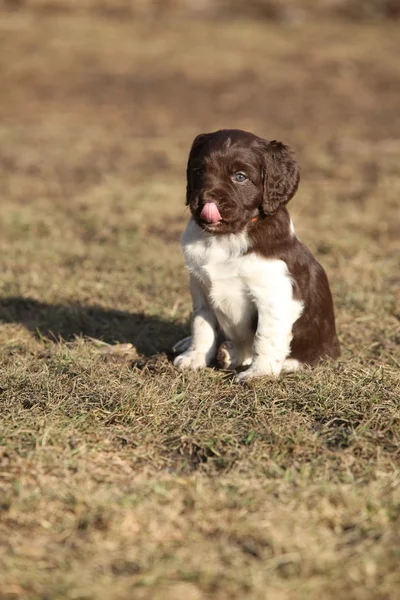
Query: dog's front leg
<point>270,348</point>
<point>272,339</point>
<point>203,344</point>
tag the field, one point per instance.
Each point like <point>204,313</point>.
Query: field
<point>121,477</point>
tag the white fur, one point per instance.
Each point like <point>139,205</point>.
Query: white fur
<point>231,287</point>
<point>203,343</point>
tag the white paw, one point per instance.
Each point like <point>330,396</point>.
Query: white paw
<point>291,365</point>
<point>253,372</point>
<point>182,345</point>
<point>191,360</point>
<point>247,361</point>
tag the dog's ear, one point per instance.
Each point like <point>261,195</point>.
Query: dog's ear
<point>196,146</point>
<point>281,175</point>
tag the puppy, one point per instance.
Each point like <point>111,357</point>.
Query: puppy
<point>254,285</point>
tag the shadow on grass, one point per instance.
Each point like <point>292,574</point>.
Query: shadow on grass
<point>148,334</point>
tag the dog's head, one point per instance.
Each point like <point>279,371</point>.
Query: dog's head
<point>233,177</point>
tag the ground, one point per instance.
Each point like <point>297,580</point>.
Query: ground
<point>120,476</point>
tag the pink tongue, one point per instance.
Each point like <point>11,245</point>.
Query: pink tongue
<point>210,213</point>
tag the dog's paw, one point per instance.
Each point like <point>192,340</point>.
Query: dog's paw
<point>227,356</point>
<point>190,360</point>
<point>291,365</point>
<point>182,345</point>
<point>254,372</point>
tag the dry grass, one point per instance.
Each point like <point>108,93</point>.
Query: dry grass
<point>120,477</point>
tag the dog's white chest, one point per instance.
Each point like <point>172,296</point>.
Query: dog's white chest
<point>216,261</point>
<point>237,284</point>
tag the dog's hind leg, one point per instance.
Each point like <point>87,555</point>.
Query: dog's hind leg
<point>229,357</point>
<point>182,345</point>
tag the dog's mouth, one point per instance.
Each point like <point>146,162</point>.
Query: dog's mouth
<point>213,227</point>
<point>209,218</point>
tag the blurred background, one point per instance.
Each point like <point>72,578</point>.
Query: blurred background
<point>126,479</point>
<point>100,101</point>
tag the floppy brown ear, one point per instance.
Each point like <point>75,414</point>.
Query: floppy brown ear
<point>196,146</point>
<point>281,176</point>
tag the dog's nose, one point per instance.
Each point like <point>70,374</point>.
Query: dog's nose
<point>208,197</point>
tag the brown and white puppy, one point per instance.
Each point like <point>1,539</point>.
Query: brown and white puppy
<point>253,283</point>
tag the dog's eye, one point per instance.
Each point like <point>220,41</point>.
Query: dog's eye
<point>199,171</point>
<point>240,176</point>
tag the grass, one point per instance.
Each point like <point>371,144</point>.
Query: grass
<point>119,476</point>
